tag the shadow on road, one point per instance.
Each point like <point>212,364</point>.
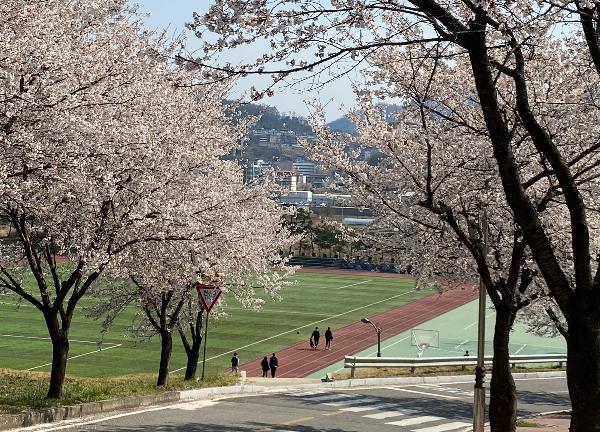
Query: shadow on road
<point>550,399</point>
<point>203,427</point>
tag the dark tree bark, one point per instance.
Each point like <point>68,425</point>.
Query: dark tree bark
<point>583,373</point>
<point>166,347</point>
<point>503,395</point>
<point>58,297</point>
<point>60,354</point>
<point>192,350</point>
<point>163,322</point>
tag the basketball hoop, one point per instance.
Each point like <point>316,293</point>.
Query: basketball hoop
<point>422,347</point>
<point>423,339</point>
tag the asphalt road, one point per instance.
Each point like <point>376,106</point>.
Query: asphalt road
<point>414,408</point>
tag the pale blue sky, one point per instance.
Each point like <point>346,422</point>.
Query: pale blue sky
<point>175,13</point>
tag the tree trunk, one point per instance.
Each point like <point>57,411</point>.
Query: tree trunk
<point>583,373</point>
<point>166,341</point>
<point>60,354</point>
<point>503,395</point>
<point>193,355</point>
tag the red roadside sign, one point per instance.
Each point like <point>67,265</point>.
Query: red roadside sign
<point>208,295</point>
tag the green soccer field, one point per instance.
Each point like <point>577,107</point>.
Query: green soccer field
<point>323,299</point>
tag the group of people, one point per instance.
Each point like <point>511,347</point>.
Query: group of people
<point>266,364</point>
<point>271,364</point>
<point>316,335</point>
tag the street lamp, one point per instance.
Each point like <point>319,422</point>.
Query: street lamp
<point>479,390</point>
<point>378,331</point>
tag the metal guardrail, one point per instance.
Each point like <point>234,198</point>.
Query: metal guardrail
<point>413,363</point>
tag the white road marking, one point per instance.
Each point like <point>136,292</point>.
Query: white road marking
<point>359,408</point>
<point>357,283</point>
<point>444,427</point>
<point>360,401</point>
<point>416,420</point>
<point>307,393</point>
<point>78,422</point>
<point>328,397</point>
<point>423,393</point>
<point>192,406</point>
<point>368,408</point>
<point>452,390</point>
<point>309,325</point>
<point>77,356</point>
<point>388,414</point>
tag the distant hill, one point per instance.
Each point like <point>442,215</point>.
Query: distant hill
<point>344,125</point>
<point>271,118</point>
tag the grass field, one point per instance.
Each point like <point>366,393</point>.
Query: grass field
<point>318,299</point>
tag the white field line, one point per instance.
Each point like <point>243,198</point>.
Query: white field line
<point>489,314</point>
<point>77,356</point>
<point>520,349</point>
<point>302,327</point>
<point>461,344</point>
<point>280,311</point>
<point>383,348</point>
<point>24,304</point>
<point>357,283</point>
<point>47,338</point>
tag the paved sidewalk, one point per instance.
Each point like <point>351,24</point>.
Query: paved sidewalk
<point>550,423</point>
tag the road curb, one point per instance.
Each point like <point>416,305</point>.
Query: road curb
<point>50,415</point>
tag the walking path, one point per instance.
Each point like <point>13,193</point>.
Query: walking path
<point>300,361</point>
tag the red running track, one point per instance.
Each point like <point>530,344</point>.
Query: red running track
<point>299,361</point>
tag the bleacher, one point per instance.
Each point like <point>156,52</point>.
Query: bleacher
<point>330,262</point>
<point>306,261</point>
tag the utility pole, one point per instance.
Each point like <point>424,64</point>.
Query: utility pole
<point>479,394</point>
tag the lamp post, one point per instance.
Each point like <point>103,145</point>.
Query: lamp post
<point>378,331</point>
<point>479,393</point>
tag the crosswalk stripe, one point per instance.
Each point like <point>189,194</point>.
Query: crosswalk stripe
<point>369,407</point>
<point>308,393</point>
<point>327,397</point>
<point>416,420</point>
<point>359,408</point>
<point>450,390</point>
<point>348,402</point>
<point>387,414</point>
<point>444,427</point>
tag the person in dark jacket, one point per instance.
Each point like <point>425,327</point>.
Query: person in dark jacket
<point>273,364</point>
<point>316,336</point>
<point>264,364</point>
<point>328,338</point>
<point>235,361</point>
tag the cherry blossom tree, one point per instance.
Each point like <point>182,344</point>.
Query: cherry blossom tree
<point>97,130</point>
<point>530,69</point>
<point>235,242</point>
<point>437,227</point>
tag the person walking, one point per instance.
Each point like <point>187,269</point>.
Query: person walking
<point>328,338</point>
<point>316,336</point>
<point>273,364</point>
<point>264,364</point>
<point>235,361</point>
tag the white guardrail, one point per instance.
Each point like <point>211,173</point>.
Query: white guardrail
<point>412,363</point>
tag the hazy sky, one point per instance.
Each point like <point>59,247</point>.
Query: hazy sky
<point>175,13</point>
